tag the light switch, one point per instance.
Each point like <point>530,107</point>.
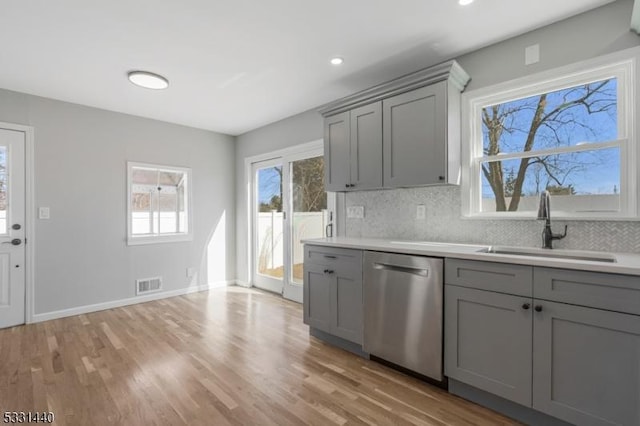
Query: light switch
<point>43,213</point>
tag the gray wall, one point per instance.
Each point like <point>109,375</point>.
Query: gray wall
<point>81,256</point>
<point>390,213</point>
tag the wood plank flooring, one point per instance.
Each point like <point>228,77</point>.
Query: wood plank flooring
<point>226,357</point>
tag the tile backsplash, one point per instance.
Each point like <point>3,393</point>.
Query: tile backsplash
<point>392,214</point>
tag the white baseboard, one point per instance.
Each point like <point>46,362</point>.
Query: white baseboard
<point>243,284</point>
<point>129,301</point>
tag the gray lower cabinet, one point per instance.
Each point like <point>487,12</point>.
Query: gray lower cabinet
<point>318,297</point>
<point>586,365</point>
<point>580,364</point>
<point>488,341</point>
<point>333,291</point>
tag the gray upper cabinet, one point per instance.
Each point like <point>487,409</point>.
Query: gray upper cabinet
<point>353,149</point>
<point>366,147</point>
<point>402,133</point>
<point>415,135</point>
<point>336,152</point>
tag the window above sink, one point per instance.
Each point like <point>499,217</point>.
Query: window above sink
<point>569,131</point>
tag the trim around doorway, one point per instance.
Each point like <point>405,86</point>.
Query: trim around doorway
<point>248,161</point>
<point>29,216</point>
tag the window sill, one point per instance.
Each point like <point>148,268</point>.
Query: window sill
<point>170,238</point>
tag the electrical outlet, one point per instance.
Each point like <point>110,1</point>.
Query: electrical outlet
<point>355,212</point>
<point>421,212</point>
<point>532,54</point>
<point>191,272</point>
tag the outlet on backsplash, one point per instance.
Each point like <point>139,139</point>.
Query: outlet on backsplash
<point>355,212</point>
<point>421,212</point>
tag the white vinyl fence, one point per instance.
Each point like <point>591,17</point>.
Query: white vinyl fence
<point>567,203</point>
<point>142,224</point>
<point>270,236</point>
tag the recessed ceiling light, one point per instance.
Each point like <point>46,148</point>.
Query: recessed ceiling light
<point>464,2</point>
<point>337,61</point>
<point>148,80</point>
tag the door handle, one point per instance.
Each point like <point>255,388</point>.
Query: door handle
<point>397,268</point>
<point>15,242</point>
<point>326,230</point>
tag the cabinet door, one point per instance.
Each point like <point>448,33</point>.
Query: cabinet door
<point>586,365</point>
<point>366,147</point>
<point>415,137</point>
<point>488,339</point>
<point>319,297</point>
<point>348,314</point>
<point>336,152</point>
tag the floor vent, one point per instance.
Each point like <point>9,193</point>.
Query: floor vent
<point>148,285</point>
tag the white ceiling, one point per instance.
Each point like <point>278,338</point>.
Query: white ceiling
<point>235,65</point>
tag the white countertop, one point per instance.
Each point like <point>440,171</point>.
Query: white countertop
<point>626,263</point>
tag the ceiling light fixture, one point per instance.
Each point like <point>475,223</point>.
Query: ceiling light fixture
<point>464,2</point>
<point>337,61</point>
<point>148,80</point>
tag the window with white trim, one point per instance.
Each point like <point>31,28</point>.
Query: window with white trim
<point>568,133</point>
<point>159,205</point>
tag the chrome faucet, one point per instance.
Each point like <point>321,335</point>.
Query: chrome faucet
<point>544,213</point>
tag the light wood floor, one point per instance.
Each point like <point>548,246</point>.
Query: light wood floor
<point>225,357</point>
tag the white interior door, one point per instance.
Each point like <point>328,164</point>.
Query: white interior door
<point>289,205</point>
<point>12,222</point>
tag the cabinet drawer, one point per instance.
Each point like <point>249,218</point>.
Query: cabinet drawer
<point>594,289</point>
<point>338,258</point>
<point>499,277</point>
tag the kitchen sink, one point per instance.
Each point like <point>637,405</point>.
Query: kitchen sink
<point>548,253</point>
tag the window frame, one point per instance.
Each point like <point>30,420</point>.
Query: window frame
<point>620,65</point>
<point>160,238</point>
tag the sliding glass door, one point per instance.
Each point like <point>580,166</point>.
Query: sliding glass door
<point>290,204</point>
<point>268,225</point>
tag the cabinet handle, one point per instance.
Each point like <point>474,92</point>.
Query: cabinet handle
<point>441,177</point>
<point>329,257</point>
<point>346,185</point>
<point>328,271</point>
<point>538,308</point>
<point>526,306</point>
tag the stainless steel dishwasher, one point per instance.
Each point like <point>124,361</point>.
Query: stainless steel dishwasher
<point>403,299</point>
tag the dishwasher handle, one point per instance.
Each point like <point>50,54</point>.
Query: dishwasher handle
<point>399,268</point>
